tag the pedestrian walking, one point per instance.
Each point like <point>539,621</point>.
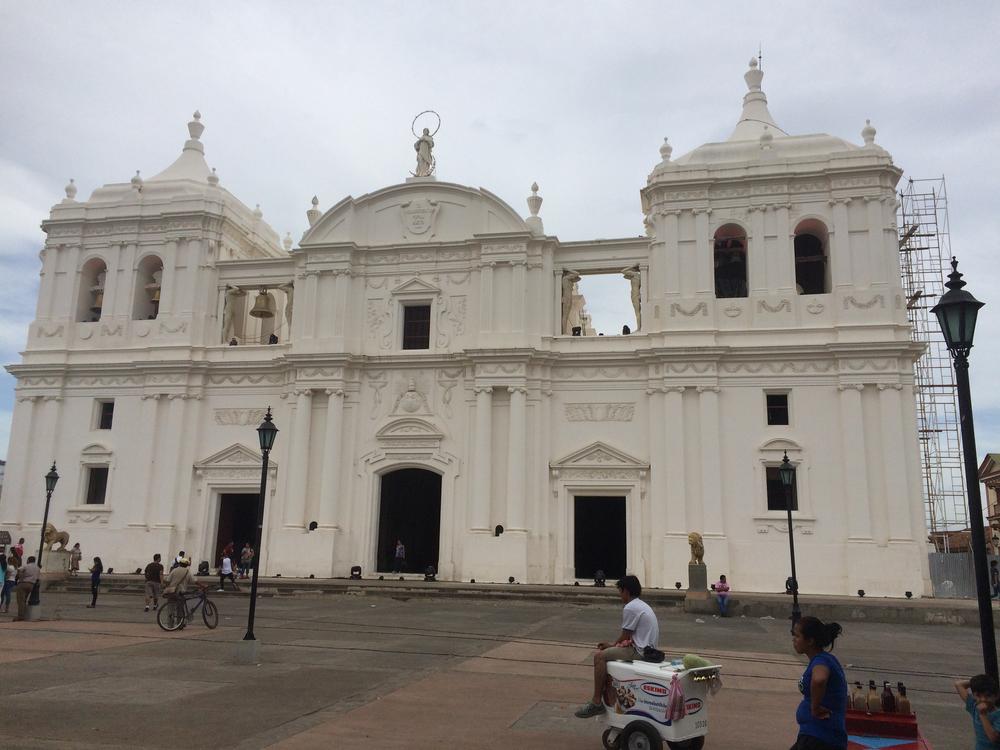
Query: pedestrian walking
<point>721,588</point>
<point>981,696</point>
<point>154,580</point>
<point>19,549</point>
<point>822,712</point>
<point>226,571</point>
<point>995,578</point>
<point>246,560</point>
<point>399,559</point>
<point>95,581</point>
<point>7,574</point>
<point>75,555</point>
<point>27,576</point>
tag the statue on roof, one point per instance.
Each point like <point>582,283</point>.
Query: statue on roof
<point>424,146</point>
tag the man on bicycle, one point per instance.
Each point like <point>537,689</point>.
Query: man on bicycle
<point>176,584</point>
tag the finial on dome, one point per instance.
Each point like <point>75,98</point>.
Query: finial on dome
<point>71,190</point>
<point>314,213</point>
<point>754,75</point>
<point>666,150</point>
<point>137,181</point>
<point>534,221</point>
<point>195,128</point>
<point>868,133</point>
<point>213,179</point>
<point>288,242</point>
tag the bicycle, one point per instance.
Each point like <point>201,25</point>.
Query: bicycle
<point>175,613</point>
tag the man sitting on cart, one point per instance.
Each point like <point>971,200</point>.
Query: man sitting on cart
<point>640,631</point>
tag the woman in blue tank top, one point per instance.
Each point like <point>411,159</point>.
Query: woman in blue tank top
<point>822,713</point>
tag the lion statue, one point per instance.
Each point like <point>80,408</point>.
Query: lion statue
<point>697,548</point>
<point>52,536</point>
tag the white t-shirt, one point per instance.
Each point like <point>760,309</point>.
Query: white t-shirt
<point>227,566</point>
<point>641,620</point>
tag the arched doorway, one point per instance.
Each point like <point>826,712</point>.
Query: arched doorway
<point>409,510</point>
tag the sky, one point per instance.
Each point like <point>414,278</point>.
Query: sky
<point>303,99</point>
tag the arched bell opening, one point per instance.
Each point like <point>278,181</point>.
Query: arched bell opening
<point>148,280</point>
<point>811,266</point>
<point>409,512</point>
<point>730,262</point>
<point>90,303</point>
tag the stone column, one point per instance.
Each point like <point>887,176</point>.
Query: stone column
<point>15,501</point>
<point>328,515</point>
<point>876,240</point>
<point>170,457</point>
<point>341,291</point>
<point>677,520</point>
<point>516,448</point>
<point>671,253</point>
<point>759,278</point>
<point>168,282</point>
<point>785,250</point>
<point>704,255</point>
<point>482,478</point>
<point>711,479</point>
<point>486,296</point>
<point>659,480</point>
<point>840,249</point>
<point>519,294</point>
<point>309,310</point>
<point>896,499</point>
<point>855,462</point>
<point>142,510</point>
<point>298,463</point>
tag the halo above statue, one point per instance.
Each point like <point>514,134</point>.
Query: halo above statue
<point>413,125</point>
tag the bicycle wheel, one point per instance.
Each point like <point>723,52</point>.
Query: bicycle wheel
<point>210,614</point>
<point>170,616</point>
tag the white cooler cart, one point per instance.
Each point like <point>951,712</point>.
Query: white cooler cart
<point>638,718</point>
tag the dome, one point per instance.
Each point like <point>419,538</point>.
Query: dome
<point>418,211</point>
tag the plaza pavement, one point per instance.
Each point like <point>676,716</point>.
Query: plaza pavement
<point>369,671</point>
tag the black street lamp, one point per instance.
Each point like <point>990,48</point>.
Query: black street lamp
<point>787,473</point>
<point>266,433</point>
<point>50,485</point>
<point>956,313</point>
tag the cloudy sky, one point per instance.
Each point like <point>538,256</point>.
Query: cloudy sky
<point>317,98</point>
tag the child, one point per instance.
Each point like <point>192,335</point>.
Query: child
<point>722,594</point>
<point>981,695</point>
<point>822,713</point>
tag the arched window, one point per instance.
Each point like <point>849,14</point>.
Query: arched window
<point>730,262</point>
<point>146,300</point>
<point>91,298</point>
<point>811,242</point>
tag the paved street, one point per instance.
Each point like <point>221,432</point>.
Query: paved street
<point>376,672</point>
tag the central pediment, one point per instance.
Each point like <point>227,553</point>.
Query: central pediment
<point>599,455</point>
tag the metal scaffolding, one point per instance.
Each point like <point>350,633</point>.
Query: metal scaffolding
<point>924,254</point>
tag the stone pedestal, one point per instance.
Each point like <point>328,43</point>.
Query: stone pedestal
<point>55,564</point>
<point>247,652</point>
<point>697,581</point>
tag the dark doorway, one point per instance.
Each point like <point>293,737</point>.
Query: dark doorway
<point>409,510</point>
<point>599,534</point>
<point>237,523</point>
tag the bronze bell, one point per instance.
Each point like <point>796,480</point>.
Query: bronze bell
<point>263,306</point>
<point>156,295</point>
<point>98,301</point>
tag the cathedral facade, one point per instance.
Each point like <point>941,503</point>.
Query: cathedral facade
<point>430,365</point>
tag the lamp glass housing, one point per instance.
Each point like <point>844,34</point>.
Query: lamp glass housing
<point>267,432</point>
<point>786,472</point>
<point>956,312</point>
<point>51,478</point>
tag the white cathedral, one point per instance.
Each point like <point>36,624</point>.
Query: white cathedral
<point>438,383</point>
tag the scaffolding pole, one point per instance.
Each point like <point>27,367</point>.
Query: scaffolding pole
<point>925,253</point>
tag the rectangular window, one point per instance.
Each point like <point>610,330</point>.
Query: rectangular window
<point>106,414</point>
<point>777,408</point>
<point>776,490</point>
<point>97,484</point>
<point>417,327</point>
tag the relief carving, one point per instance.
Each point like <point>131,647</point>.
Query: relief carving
<point>785,305</point>
<point>622,412</point>
<point>239,416</point>
<point>700,308</point>
<point>878,299</point>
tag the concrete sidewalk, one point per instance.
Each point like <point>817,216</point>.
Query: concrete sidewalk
<point>924,611</point>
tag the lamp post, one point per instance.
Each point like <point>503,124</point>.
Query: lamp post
<point>787,473</point>
<point>956,312</point>
<point>266,434</point>
<point>50,485</point>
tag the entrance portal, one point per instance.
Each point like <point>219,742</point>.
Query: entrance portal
<point>237,523</point>
<point>599,536</point>
<point>409,510</point>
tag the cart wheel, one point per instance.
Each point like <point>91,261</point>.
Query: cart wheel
<point>640,736</point>
<point>611,744</point>
<point>695,743</point>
